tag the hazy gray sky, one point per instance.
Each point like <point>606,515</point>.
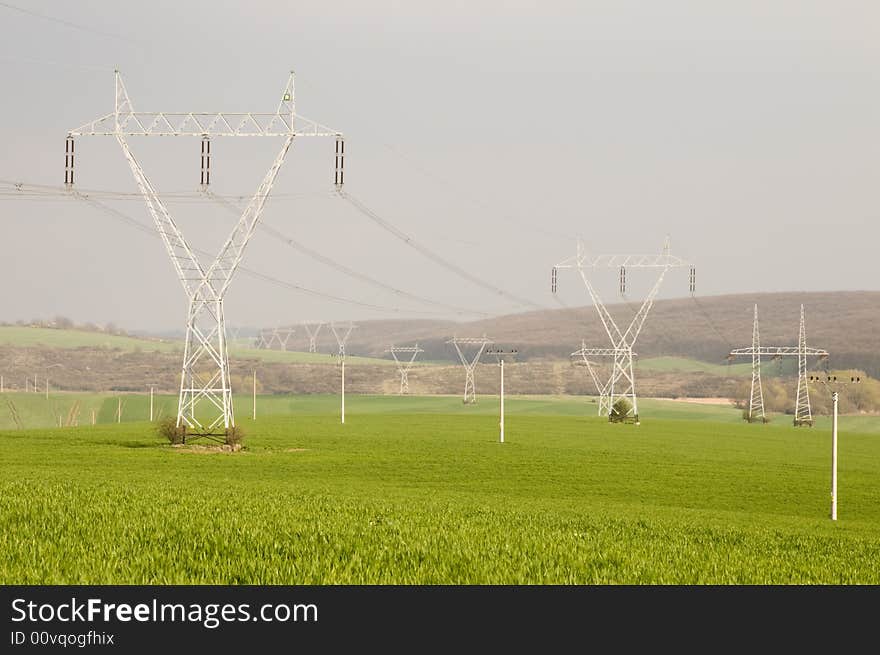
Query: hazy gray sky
<point>493,132</point>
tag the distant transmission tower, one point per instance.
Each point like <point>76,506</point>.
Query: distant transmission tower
<point>341,338</point>
<point>802,412</point>
<point>470,364</point>
<point>312,329</point>
<point>581,357</point>
<point>403,366</point>
<point>756,396</point>
<point>205,371</point>
<point>621,383</point>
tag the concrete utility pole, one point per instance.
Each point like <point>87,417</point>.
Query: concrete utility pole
<point>255,395</point>
<point>831,382</point>
<point>341,340</point>
<point>499,356</point>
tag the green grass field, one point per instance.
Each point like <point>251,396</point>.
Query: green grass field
<point>418,490</point>
<point>30,337</point>
<point>685,365</point>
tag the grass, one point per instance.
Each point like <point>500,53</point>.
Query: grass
<point>418,490</point>
<point>686,365</point>
<point>35,336</point>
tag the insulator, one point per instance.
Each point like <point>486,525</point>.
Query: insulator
<point>553,280</point>
<point>68,161</point>
<point>339,176</point>
<point>206,161</point>
<point>622,280</point>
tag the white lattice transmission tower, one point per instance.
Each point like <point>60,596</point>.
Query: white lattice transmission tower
<point>581,357</point>
<point>312,330</point>
<point>403,364</point>
<point>470,361</point>
<point>341,335</point>
<point>803,414</point>
<point>621,382</point>
<point>205,378</point>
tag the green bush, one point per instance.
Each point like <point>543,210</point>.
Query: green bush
<point>234,436</point>
<point>620,411</point>
<point>167,429</point>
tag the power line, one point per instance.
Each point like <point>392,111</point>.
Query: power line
<point>268,229</point>
<point>434,257</point>
<point>69,24</point>
<point>146,229</point>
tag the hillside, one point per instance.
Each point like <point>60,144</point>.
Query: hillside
<point>681,350</point>
<point>705,329</point>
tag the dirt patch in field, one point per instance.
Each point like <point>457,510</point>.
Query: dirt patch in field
<point>295,450</point>
<point>202,449</point>
<point>701,401</point>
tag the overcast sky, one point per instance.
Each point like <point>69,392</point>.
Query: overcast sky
<point>493,133</point>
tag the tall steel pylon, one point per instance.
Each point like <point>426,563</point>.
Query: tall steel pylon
<point>803,414</point>
<point>581,357</point>
<point>403,366</point>
<point>341,338</point>
<point>312,329</point>
<point>470,364</point>
<point>756,395</point>
<point>621,383</point>
<point>802,411</point>
<point>205,370</point>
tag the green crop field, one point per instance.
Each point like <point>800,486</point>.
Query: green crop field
<point>418,490</point>
<point>686,365</point>
<point>34,336</point>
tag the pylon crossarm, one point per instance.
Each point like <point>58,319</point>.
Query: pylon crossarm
<point>779,351</point>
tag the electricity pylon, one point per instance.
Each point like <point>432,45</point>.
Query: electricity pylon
<point>403,366</point>
<point>205,371</point>
<point>281,336</point>
<point>341,338</point>
<point>312,329</point>
<point>802,411</point>
<point>756,396</point>
<point>581,358</point>
<point>621,383</point>
<point>470,390</point>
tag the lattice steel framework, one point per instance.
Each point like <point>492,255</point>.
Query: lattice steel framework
<point>404,365</point>
<point>470,363</point>
<point>205,370</point>
<point>803,414</point>
<point>621,383</point>
<point>341,338</point>
<point>581,357</point>
<point>312,329</point>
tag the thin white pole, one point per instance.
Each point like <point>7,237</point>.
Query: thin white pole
<point>1,384</point>
<point>834,459</point>
<point>93,416</point>
<point>255,394</point>
<point>47,388</point>
<point>151,404</point>
<point>119,409</point>
<point>343,390</point>
<point>502,401</point>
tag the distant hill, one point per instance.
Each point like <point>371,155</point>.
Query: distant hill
<point>843,322</point>
<point>704,329</point>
